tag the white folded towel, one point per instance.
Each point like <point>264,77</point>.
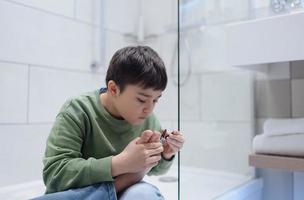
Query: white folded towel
<point>288,145</point>
<point>283,126</point>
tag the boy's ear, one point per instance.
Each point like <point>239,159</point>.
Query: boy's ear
<point>113,88</point>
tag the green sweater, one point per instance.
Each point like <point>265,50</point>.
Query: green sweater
<point>82,142</point>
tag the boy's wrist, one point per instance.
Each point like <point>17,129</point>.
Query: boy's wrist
<point>117,165</point>
<point>167,157</point>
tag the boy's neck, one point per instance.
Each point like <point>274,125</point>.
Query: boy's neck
<point>108,105</point>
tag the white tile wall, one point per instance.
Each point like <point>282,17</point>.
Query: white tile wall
<point>121,15</point>
<point>22,149</point>
<point>227,96</point>
<point>257,4</point>
<point>61,7</point>
<point>45,55</point>
<point>35,37</point>
<point>50,88</point>
<point>213,50</point>
<point>217,146</point>
<point>192,48</point>
<point>190,107</point>
<point>155,22</point>
<point>168,52</point>
<point>13,93</point>
<point>297,97</point>
<point>297,69</point>
<point>272,98</point>
<point>88,11</point>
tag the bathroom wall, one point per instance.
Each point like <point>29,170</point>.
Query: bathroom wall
<point>279,91</point>
<point>279,94</point>
<point>46,51</point>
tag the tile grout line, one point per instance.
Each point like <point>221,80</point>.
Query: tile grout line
<point>290,90</point>
<point>52,67</point>
<point>28,94</point>
<point>74,9</point>
<point>25,124</point>
<point>53,13</point>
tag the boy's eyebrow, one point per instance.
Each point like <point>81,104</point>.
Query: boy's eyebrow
<point>147,95</point>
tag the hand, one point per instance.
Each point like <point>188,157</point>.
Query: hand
<point>137,156</point>
<point>149,136</point>
<point>125,180</point>
<point>173,143</point>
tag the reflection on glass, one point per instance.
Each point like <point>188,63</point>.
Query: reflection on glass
<point>216,102</point>
<point>285,5</point>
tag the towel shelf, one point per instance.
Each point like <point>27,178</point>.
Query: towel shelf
<point>277,162</point>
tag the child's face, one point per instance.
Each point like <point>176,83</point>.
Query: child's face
<point>135,104</point>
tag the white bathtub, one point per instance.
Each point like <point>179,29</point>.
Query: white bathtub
<point>196,184</point>
<point>200,184</point>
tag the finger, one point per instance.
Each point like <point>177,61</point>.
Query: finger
<point>174,142</point>
<point>152,145</point>
<point>175,132</point>
<point>179,137</point>
<point>175,146</point>
<point>155,137</point>
<point>153,152</point>
<point>145,137</point>
<point>153,159</point>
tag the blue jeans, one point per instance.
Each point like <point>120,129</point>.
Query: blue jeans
<point>106,191</point>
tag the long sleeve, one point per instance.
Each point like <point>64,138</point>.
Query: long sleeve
<point>162,167</point>
<point>64,167</point>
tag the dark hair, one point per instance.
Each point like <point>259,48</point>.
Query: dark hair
<point>137,65</point>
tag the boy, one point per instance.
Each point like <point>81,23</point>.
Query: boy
<point>104,142</point>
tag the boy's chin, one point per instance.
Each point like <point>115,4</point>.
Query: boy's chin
<point>137,122</point>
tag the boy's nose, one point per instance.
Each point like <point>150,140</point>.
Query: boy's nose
<point>148,109</point>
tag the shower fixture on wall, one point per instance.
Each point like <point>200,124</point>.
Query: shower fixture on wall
<point>184,43</point>
<point>140,36</point>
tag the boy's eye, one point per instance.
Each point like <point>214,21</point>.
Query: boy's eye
<point>140,100</point>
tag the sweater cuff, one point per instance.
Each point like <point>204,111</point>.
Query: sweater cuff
<point>101,169</point>
<point>166,163</point>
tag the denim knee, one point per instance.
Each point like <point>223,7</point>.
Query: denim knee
<point>142,191</point>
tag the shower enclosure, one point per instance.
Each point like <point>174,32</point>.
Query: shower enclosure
<point>216,106</point>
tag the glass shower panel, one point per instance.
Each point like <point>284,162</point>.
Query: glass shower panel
<point>216,106</point>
